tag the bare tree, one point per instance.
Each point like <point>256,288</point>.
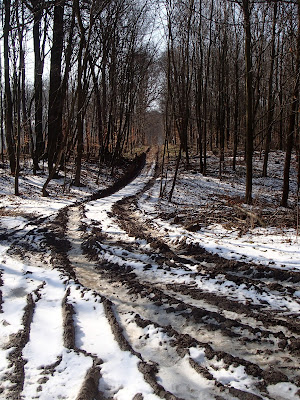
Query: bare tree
<point>7,93</point>
<point>81,75</point>
<point>1,111</point>
<point>180,60</point>
<point>292,119</point>
<point>246,8</point>
<point>18,88</point>
<point>270,111</point>
<point>37,7</point>
<point>55,95</point>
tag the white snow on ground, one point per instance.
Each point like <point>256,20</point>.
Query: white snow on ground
<point>138,263</point>
<point>232,376</point>
<point>120,374</point>
<point>58,372</point>
<point>284,391</point>
<point>67,377</point>
<point>183,380</point>
<point>175,373</point>
<point>31,200</point>
<point>46,328</point>
<point>13,222</point>
<point>51,370</point>
<point>45,345</point>
<point>45,332</point>
<point>266,246</point>
<point>100,210</point>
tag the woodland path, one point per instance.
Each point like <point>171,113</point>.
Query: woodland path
<point>177,310</point>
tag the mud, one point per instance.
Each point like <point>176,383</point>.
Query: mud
<point>18,342</point>
<point>89,390</point>
<point>149,372</point>
<point>1,298</point>
<point>116,329</point>
<point>55,237</point>
<point>265,342</point>
<point>68,328</point>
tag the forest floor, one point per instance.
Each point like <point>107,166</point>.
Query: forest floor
<point>130,297</point>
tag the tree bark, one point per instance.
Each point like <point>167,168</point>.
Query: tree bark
<point>292,122</point>
<point>1,112</point>
<point>270,97</point>
<point>175,175</point>
<point>19,74</point>
<point>80,104</point>
<point>236,110</point>
<point>7,94</point>
<point>205,90</point>
<point>38,85</point>
<point>55,93</point>
<point>249,101</point>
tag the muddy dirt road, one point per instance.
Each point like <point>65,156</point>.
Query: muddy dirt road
<point>201,327</point>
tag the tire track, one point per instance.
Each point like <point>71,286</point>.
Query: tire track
<point>270,328</point>
<point>167,308</point>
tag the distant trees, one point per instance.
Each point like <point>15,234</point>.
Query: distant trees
<point>100,57</point>
<point>293,114</point>
<point>8,103</point>
<point>55,108</point>
<point>271,92</point>
<point>233,65</point>
<point>229,74</point>
<point>246,7</point>
<point>180,21</point>
<point>37,9</point>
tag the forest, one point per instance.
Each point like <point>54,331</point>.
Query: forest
<point>84,80</point>
<point>149,200</point>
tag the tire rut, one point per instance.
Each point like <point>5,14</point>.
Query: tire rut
<point>204,331</point>
<point>161,303</point>
<point>196,321</point>
<point>287,326</point>
<point>88,276</point>
<point>185,346</point>
<point>17,343</point>
<point>132,224</point>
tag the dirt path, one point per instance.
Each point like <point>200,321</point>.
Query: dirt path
<point>182,314</point>
<point>181,292</point>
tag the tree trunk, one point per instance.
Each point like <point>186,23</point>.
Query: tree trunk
<point>1,111</point>
<point>292,122</point>
<point>249,102</point>
<point>205,95</point>
<point>7,94</point>
<point>55,93</point>
<point>236,112</point>
<point>80,103</point>
<point>19,74</point>
<point>38,85</point>
<point>270,97</point>
<point>175,174</point>
<point>18,105</point>
<point>81,86</point>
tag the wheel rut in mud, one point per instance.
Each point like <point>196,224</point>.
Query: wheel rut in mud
<point>155,286</point>
<point>180,311</point>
